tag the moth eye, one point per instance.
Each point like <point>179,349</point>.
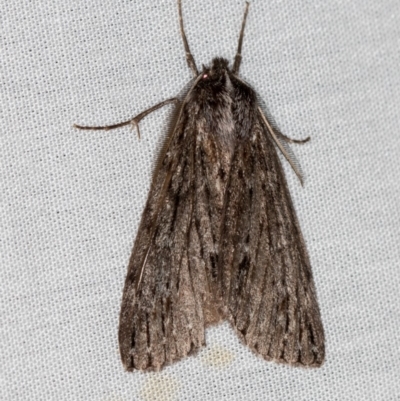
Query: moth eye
<point>205,76</point>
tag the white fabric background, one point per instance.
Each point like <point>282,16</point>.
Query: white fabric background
<point>71,200</point>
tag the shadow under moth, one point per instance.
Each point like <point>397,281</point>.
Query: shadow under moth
<point>219,238</point>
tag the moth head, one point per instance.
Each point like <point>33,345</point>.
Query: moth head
<point>218,69</point>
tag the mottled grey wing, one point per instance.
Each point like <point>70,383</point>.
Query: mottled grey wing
<point>267,285</point>
<point>168,296</point>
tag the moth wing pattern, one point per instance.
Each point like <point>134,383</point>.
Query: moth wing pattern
<point>267,285</point>
<point>169,296</point>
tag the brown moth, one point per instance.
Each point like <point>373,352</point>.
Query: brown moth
<point>219,238</point>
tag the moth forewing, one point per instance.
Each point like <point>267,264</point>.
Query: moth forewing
<point>219,238</point>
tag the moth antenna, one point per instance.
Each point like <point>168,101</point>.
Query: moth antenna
<point>189,57</point>
<point>238,57</point>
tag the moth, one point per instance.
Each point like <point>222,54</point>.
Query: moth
<point>219,238</point>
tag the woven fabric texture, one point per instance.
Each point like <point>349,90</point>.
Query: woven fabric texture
<point>71,200</point>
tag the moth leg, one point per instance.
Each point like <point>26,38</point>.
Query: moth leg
<point>284,137</point>
<point>238,57</point>
<point>189,57</point>
<point>291,140</point>
<point>278,143</point>
<point>135,120</point>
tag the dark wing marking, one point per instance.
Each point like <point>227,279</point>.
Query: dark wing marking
<point>168,298</point>
<point>267,285</point>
